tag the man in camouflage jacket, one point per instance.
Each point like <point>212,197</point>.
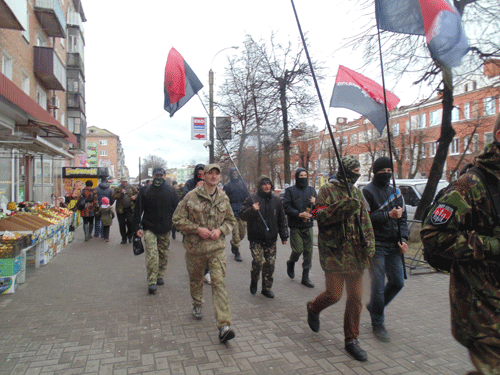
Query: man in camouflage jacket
<point>461,226</point>
<point>342,253</point>
<point>125,196</point>
<point>206,217</point>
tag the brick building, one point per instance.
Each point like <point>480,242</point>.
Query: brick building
<point>415,130</point>
<point>104,149</point>
<point>42,103</point>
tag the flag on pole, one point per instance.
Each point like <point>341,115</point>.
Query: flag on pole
<point>438,20</point>
<point>360,94</point>
<point>181,84</point>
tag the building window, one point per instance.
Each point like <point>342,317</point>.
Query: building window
<point>354,138</point>
<point>455,146</point>
<point>488,138</point>
<point>7,66</point>
<point>475,143</point>
<point>41,97</point>
<point>395,129</point>
<point>103,153</point>
<point>422,120</point>
<point>435,117</point>
<point>103,142</point>
<point>26,84</point>
<point>467,111</point>
<point>413,123</point>
<point>455,114</point>
<point>423,155</point>
<point>345,141</point>
<point>489,106</point>
<point>467,146</point>
<point>432,149</point>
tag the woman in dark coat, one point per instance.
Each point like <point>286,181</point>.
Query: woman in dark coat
<point>89,210</point>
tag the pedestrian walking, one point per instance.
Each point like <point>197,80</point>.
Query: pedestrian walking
<point>206,218</point>
<point>102,190</point>
<point>153,221</point>
<point>125,196</point>
<point>237,192</point>
<point>464,227</point>
<point>299,201</point>
<point>385,207</point>
<point>342,252</point>
<point>262,239</point>
<point>89,210</point>
<point>107,215</point>
<point>179,196</point>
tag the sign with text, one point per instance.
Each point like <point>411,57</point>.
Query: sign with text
<point>198,128</point>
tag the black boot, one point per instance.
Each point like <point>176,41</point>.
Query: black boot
<point>233,249</point>
<point>305,279</point>
<point>237,255</point>
<point>86,231</point>
<point>253,287</point>
<point>290,269</point>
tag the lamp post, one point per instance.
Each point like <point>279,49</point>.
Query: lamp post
<point>211,105</point>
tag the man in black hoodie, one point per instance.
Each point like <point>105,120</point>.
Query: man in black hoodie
<point>199,175</point>
<point>385,208</point>
<point>237,192</point>
<point>298,201</point>
<point>153,220</point>
<point>102,190</point>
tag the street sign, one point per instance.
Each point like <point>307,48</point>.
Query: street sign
<point>198,128</point>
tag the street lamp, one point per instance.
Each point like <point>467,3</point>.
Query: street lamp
<point>211,104</point>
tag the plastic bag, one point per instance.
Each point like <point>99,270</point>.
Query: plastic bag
<point>137,246</point>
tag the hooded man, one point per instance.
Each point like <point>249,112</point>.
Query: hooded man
<point>298,201</point>
<point>153,220</point>
<point>198,177</point>
<point>385,208</point>
<point>464,225</point>
<point>342,253</point>
<point>237,192</point>
<point>262,239</point>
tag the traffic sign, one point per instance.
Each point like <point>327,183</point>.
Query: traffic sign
<point>198,128</point>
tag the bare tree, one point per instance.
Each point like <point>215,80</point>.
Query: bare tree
<point>151,162</point>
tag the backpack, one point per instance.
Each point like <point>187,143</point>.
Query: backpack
<point>491,183</point>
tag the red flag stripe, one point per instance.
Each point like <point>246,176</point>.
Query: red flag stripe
<point>175,76</point>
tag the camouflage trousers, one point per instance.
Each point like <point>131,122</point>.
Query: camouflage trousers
<point>264,259</point>
<point>301,241</point>
<point>156,255</point>
<point>216,261</point>
<point>486,358</point>
<point>239,232</point>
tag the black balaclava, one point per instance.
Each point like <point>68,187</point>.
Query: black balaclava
<point>301,183</point>
<point>382,179</point>
<point>231,172</point>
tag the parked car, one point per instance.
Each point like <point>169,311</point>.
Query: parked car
<point>412,190</point>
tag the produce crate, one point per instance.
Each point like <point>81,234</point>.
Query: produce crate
<point>8,284</point>
<point>11,266</point>
<point>10,248</point>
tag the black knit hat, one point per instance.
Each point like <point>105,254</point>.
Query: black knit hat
<point>381,163</point>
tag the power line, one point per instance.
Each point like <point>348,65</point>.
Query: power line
<point>133,130</point>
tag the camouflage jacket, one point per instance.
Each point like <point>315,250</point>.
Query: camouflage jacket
<point>197,209</point>
<point>460,226</point>
<point>339,242</point>
<point>118,197</point>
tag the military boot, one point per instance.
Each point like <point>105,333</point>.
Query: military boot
<point>305,279</point>
<point>237,255</point>
<point>290,264</point>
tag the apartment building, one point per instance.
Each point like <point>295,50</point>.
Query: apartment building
<point>415,130</point>
<point>104,149</point>
<point>42,100</point>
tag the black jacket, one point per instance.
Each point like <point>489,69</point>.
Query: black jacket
<point>236,191</point>
<point>191,183</point>
<point>296,201</point>
<point>155,208</point>
<point>103,190</point>
<point>274,215</point>
<point>381,201</point>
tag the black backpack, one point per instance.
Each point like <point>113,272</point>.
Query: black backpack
<point>491,183</point>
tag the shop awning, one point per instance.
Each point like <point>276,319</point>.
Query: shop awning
<point>33,144</point>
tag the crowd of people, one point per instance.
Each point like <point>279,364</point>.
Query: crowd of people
<point>357,230</point>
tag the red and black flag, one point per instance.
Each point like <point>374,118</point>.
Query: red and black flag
<point>360,94</point>
<point>181,84</point>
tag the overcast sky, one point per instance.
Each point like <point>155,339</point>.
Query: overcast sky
<point>127,47</point>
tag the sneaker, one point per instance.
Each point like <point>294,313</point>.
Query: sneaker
<point>160,281</point>
<point>207,279</point>
<point>152,289</point>
<point>381,333</point>
<point>197,312</point>
<point>355,351</point>
<point>312,319</point>
<point>226,334</point>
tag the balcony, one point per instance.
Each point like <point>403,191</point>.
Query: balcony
<point>75,61</point>
<point>49,69</point>
<point>51,17</point>
<point>75,102</point>
<point>75,20</point>
<point>12,13</point>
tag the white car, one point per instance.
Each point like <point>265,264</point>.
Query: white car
<point>412,190</point>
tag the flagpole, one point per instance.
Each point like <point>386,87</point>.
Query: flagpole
<point>390,144</point>
<point>232,161</point>
<point>341,166</point>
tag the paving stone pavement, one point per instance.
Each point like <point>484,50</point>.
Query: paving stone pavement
<point>88,312</point>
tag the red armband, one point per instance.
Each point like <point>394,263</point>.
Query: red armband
<point>317,209</point>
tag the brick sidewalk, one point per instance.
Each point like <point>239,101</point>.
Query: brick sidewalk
<point>88,312</point>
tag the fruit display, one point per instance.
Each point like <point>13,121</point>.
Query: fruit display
<point>12,243</point>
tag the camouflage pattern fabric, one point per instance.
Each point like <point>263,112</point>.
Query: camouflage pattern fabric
<point>264,258</point>
<point>239,232</point>
<point>198,210</point>
<point>118,197</point>
<point>196,264</point>
<point>301,241</point>
<point>460,226</point>
<point>156,255</point>
<point>339,242</point>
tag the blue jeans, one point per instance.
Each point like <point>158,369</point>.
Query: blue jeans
<point>385,262</point>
